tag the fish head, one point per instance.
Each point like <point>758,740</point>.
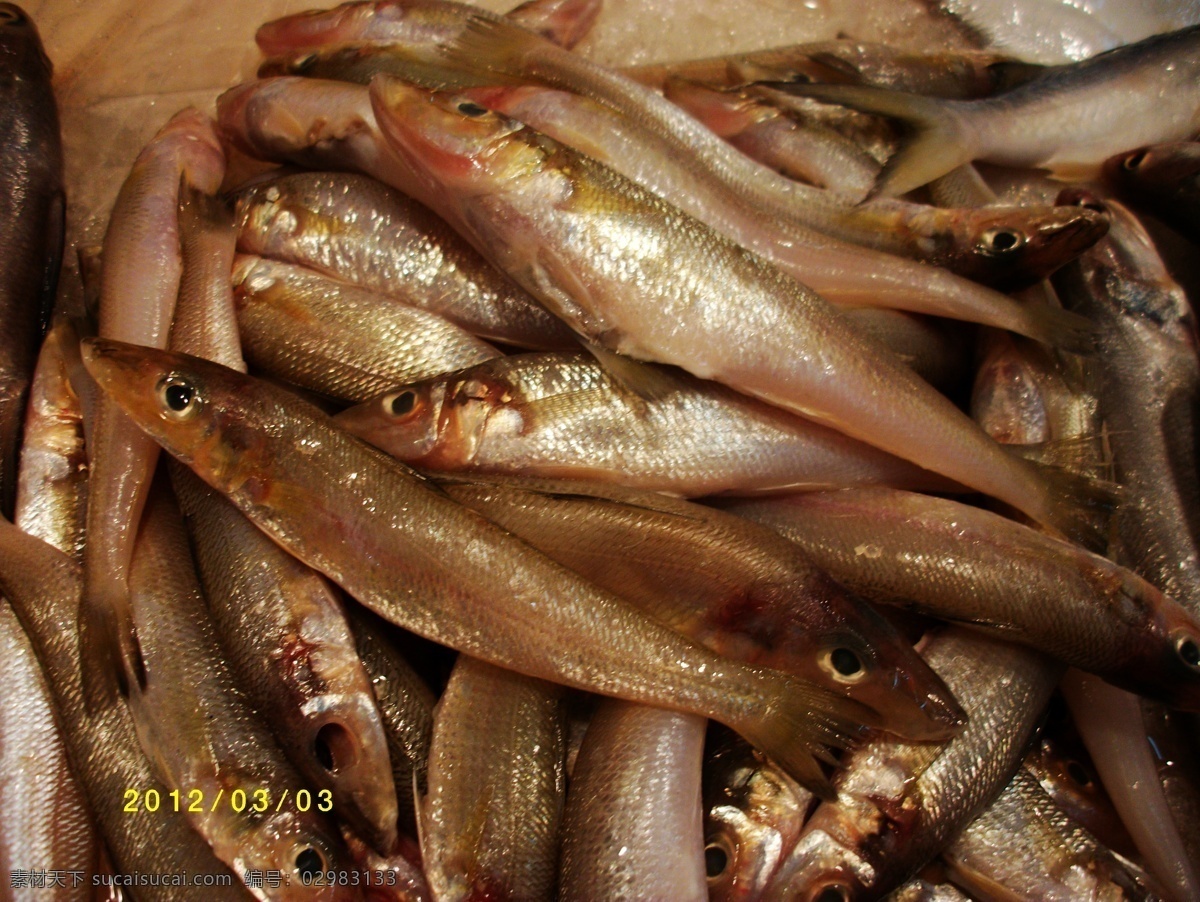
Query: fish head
<point>1162,168</point>
<point>821,868</point>
<point>753,816</point>
<point>18,32</point>
<point>408,423</point>
<point>197,410</point>
<point>297,845</point>
<point>453,138</point>
<point>1177,678</point>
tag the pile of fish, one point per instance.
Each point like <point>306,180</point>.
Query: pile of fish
<point>682,482</point>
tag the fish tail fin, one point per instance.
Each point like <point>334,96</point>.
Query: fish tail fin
<point>1079,507</point>
<point>565,22</point>
<point>494,48</point>
<point>1061,329</point>
<point>800,720</point>
<point>939,143</point>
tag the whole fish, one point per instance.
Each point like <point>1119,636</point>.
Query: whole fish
<point>206,740</point>
<point>633,826</point>
<point>490,821</point>
<point>1146,379</point>
<point>642,278</point>
<point>900,804</point>
<point>1025,846</point>
<point>45,587</point>
<point>1064,120</point>
<point>1163,179</point>
<point>338,339</point>
<point>31,221</point>
<point>358,230</point>
<point>729,584</point>
<point>962,563</point>
<point>393,543</point>
<point>564,415</point>
<point>138,290</point>
<point>753,815</point>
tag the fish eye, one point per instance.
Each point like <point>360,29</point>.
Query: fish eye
<point>843,665</point>
<point>1189,651</point>
<point>1133,161</point>
<point>1001,241</point>
<point>10,15</point>
<point>718,856</point>
<point>401,404</point>
<point>833,893</point>
<point>471,108</point>
<point>309,863</point>
<point>178,397</point>
<point>1078,774</point>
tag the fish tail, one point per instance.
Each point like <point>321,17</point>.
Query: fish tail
<point>799,721</point>
<point>110,654</point>
<point>565,22</point>
<point>1080,507</point>
<point>937,145</point>
<point>1060,329</point>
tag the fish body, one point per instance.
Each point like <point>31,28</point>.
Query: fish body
<point>633,826</point>
<point>355,229</point>
<point>338,339</point>
<point>31,221</point>
<point>428,564</point>
<point>596,248</point>
<point>563,415</point>
<point>492,815</point>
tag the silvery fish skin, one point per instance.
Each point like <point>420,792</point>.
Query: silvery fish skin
<point>565,415</point>
<point>822,244</point>
<point>963,563</point>
<point>45,587</point>
<point>47,822</point>
<point>1024,846</point>
<point>1146,378</point>
<point>900,804</point>
<point>953,73</point>
<point>53,480</point>
<point>405,706</point>
<point>721,581</point>
<point>356,229</point>
<point>303,481</point>
<point>1163,179</point>
<point>1065,120</point>
<point>203,736</point>
<point>597,248</point>
<point>633,827</point>
<point>138,290</point>
<point>31,221</point>
<point>753,814</point>
<point>286,640</point>
<point>338,339</point>
<point>491,818</point>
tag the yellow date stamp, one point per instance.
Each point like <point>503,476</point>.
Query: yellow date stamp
<point>197,801</point>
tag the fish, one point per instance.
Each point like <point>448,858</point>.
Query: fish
<point>303,481</point>
<point>45,587</point>
<point>936,349</point>
<point>957,562</point>
<point>597,248</point>
<point>1163,179</point>
<point>725,583</point>
<point>1064,120</point>
<point>1024,846</point>
<point>753,816</point>
<point>899,804</point>
<point>355,229</point>
<point>492,813</point>
<point>32,211</point>
<point>198,729</point>
<point>139,285</point>
<point>565,415</point>
<point>633,826</point>
<point>340,340</point>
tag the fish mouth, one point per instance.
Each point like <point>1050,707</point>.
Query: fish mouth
<point>915,705</point>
